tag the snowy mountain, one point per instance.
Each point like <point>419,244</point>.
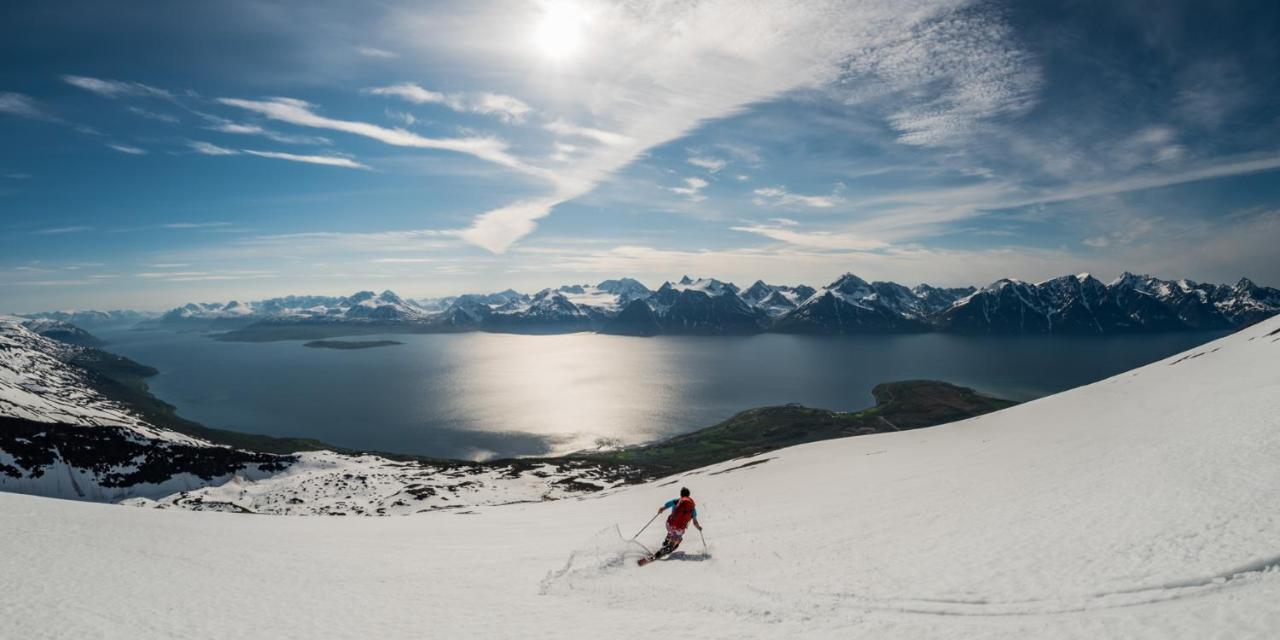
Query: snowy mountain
<point>1083,304</point>
<point>852,305</point>
<point>89,319</point>
<point>1141,506</point>
<point>705,306</point>
<point>62,331</point>
<point>776,300</point>
<point>1077,304</point>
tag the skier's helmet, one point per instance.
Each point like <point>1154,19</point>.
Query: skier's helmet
<point>684,493</point>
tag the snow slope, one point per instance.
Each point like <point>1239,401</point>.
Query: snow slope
<point>36,384</point>
<point>1142,506</point>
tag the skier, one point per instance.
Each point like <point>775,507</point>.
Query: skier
<point>683,510</point>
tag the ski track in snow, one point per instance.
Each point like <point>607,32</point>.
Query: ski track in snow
<point>1141,506</point>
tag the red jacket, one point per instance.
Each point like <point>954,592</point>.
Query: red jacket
<point>682,512</point>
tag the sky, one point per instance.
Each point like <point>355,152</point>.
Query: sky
<point>156,153</point>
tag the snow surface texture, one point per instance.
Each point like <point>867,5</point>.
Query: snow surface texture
<point>327,483</point>
<point>1142,506</point>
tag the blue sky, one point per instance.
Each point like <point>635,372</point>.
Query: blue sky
<point>156,153</point>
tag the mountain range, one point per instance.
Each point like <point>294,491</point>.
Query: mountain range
<point>1073,304</point>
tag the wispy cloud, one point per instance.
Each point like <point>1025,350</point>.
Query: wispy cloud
<point>300,113</point>
<point>153,115</point>
<point>707,162</point>
<point>223,125</point>
<point>779,196</point>
<point>498,229</point>
<point>75,282</point>
<point>713,59</point>
<point>210,149</point>
<point>607,138</point>
<point>816,239</point>
<point>54,231</point>
<point>195,225</point>
<point>115,88</point>
<point>129,149</point>
<point>692,189</point>
<point>205,276</point>
<point>504,107</point>
<point>332,161</point>
<point>374,52</point>
<point>23,106</point>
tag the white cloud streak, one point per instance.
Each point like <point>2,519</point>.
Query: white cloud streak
<point>332,161</point>
<point>299,113</point>
<point>780,197</point>
<point>23,106</point>
<point>227,126</point>
<point>814,239</point>
<point>129,149</point>
<point>709,163</point>
<point>374,52</point>
<point>115,88</point>
<point>210,149</point>
<point>62,230</point>
<point>504,107</point>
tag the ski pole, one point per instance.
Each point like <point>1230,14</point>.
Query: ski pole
<point>646,525</point>
<point>704,540</point>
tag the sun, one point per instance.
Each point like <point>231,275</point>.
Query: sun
<point>561,31</point>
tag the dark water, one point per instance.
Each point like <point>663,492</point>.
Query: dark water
<point>476,395</point>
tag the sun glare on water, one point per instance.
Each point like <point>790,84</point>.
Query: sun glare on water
<point>561,31</point>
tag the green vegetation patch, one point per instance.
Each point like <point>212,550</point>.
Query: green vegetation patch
<point>899,406</point>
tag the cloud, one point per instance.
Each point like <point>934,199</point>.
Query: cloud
<point>404,117</point>
<point>210,149</point>
<point>779,196</point>
<point>374,52</point>
<point>115,88</point>
<point>152,115</point>
<point>951,76</point>
<point>498,229</point>
<point>23,106</point>
<point>1152,180</point>
<point>204,276</point>
<point>299,113</point>
<point>406,260</point>
<point>504,107</point>
<point>607,138</point>
<point>692,189</point>
<point>332,161</point>
<point>194,225</point>
<point>129,149</point>
<point>54,283</point>
<point>223,125</point>
<point>652,72</point>
<point>707,162</point>
<point>815,239</point>
<point>61,230</point>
